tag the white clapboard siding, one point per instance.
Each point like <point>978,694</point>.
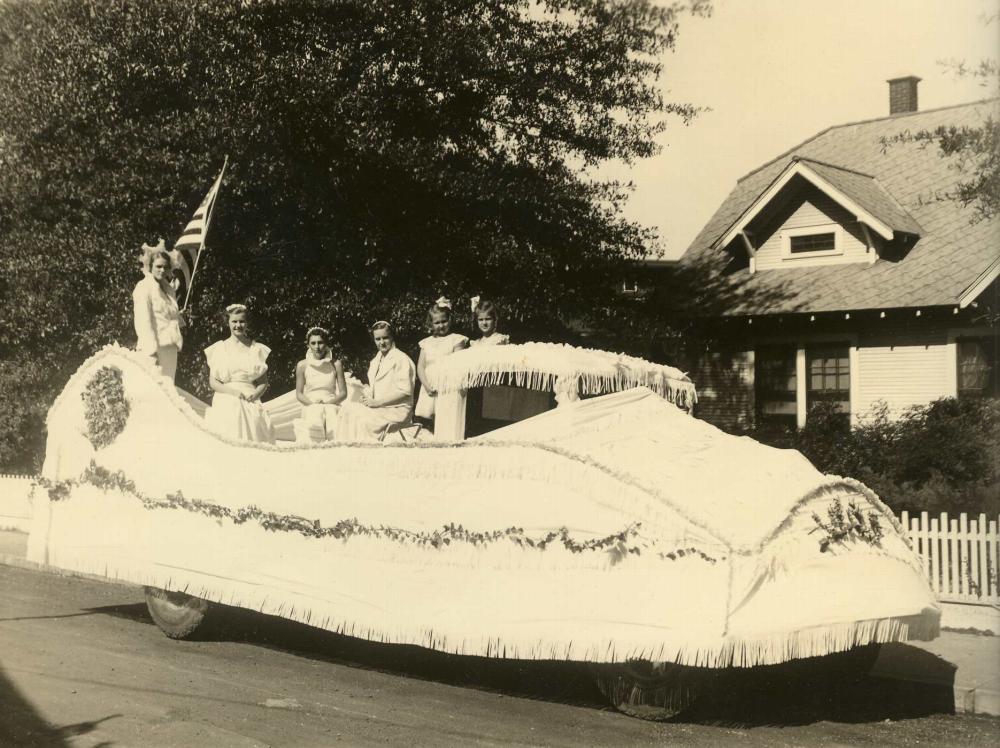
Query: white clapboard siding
<point>959,555</point>
<point>902,370</point>
<point>814,209</point>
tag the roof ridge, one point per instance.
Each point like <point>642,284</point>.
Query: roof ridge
<point>896,202</point>
<point>824,131</point>
<point>833,166</point>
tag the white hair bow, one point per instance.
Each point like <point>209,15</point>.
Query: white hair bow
<point>474,301</point>
<point>443,303</point>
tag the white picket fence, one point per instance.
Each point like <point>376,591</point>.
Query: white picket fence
<point>959,555</point>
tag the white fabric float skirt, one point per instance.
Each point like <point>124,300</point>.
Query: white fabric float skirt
<point>239,419</point>
<point>317,423</point>
<point>359,423</point>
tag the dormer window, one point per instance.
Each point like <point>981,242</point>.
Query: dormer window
<point>812,241</point>
<point>826,242</point>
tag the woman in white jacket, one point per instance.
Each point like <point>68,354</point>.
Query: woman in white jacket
<point>156,317</point>
<point>388,399</point>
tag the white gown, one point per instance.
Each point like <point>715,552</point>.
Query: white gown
<point>388,375</point>
<point>318,420</point>
<point>435,348</point>
<point>239,366</point>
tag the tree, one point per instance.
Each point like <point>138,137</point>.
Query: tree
<point>381,153</point>
<point>975,149</point>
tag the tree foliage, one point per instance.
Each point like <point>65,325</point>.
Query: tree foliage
<point>381,153</point>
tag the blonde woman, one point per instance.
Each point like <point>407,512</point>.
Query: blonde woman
<point>155,315</point>
<point>238,377</point>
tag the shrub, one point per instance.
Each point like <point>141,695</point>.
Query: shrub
<point>943,456</point>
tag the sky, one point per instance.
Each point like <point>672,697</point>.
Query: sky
<point>775,72</point>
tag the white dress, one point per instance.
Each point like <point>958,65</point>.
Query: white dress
<point>389,375</point>
<point>156,319</point>
<point>318,420</point>
<point>435,348</point>
<point>497,338</point>
<point>239,366</point>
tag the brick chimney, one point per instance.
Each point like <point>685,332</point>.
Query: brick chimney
<point>903,94</point>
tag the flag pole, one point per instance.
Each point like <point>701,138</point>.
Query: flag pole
<point>204,233</point>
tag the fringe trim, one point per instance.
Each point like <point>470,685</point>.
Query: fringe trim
<point>549,366</point>
<point>712,652</point>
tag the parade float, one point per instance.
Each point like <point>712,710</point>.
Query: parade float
<point>599,522</point>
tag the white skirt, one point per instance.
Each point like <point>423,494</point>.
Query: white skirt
<point>359,423</point>
<point>239,419</point>
<point>317,423</point>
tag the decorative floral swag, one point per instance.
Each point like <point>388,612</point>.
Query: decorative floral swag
<point>105,408</point>
<point>851,524</point>
<point>617,544</point>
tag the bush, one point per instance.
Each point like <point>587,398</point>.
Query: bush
<point>938,457</point>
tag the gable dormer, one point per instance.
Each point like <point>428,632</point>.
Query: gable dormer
<point>815,213</point>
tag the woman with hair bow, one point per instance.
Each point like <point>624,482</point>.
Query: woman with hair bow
<point>440,343</point>
<point>237,374</point>
<point>388,399</point>
<point>155,315</point>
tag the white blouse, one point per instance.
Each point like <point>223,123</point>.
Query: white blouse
<point>231,361</point>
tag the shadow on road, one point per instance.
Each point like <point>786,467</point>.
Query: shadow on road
<point>797,693</point>
<point>22,725</point>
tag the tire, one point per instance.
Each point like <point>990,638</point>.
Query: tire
<point>652,691</point>
<point>176,614</point>
<point>855,664</point>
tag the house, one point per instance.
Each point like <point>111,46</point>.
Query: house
<point>845,271</point>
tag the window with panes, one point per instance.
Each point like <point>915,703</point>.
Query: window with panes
<point>775,384</point>
<point>977,367</point>
<point>828,374</point>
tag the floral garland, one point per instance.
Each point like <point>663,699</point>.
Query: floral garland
<point>105,406</point>
<point>831,484</point>
<point>851,524</point>
<point>618,544</point>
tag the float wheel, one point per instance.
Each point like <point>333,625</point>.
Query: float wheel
<point>651,690</point>
<point>177,615</point>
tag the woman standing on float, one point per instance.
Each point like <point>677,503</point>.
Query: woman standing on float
<point>155,315</point>
<point>388,399</point>
<point>238,376</point>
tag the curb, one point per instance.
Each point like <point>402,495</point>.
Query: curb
<point>17,562</point>
<point>968,697</point>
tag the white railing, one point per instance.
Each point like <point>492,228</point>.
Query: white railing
<point>959,555</point>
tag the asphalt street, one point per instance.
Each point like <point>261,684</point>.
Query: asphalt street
<point>82,664</point>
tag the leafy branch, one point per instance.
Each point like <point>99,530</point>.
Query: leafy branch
<point>847,525</point>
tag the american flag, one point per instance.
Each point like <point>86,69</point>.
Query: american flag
<point>188,248</point>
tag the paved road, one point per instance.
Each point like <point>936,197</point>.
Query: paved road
<point>81,664</point>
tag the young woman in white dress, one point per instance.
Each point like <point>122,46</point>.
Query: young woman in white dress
<point>155,315</point>
<point>388,399</point>
<point>442,342</point>
<point>320,386</point>
<point>238,377</point>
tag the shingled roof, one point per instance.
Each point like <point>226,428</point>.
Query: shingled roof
<point>906,185</point>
